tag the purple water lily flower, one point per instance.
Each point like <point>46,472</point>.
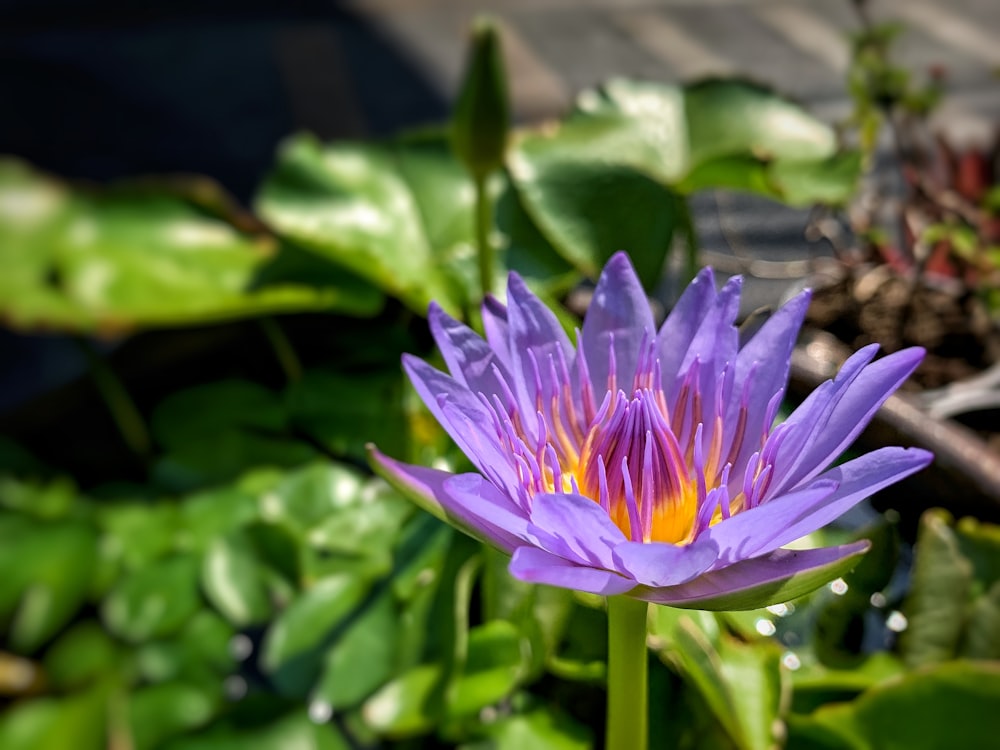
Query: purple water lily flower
<point>646,462</point>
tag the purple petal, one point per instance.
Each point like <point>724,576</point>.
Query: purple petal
<point>660,564</point>
<point>619,312</point>
<point>784,519</point>
<point>765,362</point>
<point>538,566</point>
<point>778,577</point>
<point>535,337</point>
<point>576,528</point>
<point>678,330</point>
<point>497,330</point>
<point>749,533</point>
<point>825,426</point>
<point>465,501</point>
<point>469,358</point>
<point>465,419</point>
<point>470,500</point>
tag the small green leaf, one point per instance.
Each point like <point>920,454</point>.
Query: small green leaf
<point>233,581</point>
<point>496,661</point>
<point>408,705</point>
<point>154,601</point>
<point>159,712</point>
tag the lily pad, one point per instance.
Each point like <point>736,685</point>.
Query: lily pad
<point>141,255</point>
<point>400,214</point>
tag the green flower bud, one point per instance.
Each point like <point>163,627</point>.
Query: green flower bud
<point>482,113</point>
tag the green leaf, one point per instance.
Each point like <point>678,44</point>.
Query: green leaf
<point>233,580</point>
<point>937,602</point>
<point>154,601</point>
<point>159,712</point>
<point>408,705</point>
<point>351,203</point>
<point>400,214</point>
<point>363,657</point>
<point>951,705</point>
<point>206,410</point>
<point>77,721</point>
<point>540,729</point>
<point>47,580</point>
<point>590,210</point>
<point>344,413</point>
<point>295,730</point>
<point>496,661</point>
<point>82,654</point>
<point>291,653</point>
<point>982,633</point>
<point>137,256</point>
<point>711,134</point>
<point>754,679</point>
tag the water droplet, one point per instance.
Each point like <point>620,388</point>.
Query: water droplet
<point>896,621</point>
<point>791,661</point>
<point>320,711</point>
<point>765,627</point>
<point>240,647</point>
<point>877,599</point>
<point>234,687</point>
<point>838,586</point>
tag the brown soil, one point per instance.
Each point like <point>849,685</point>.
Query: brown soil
<point>876,306</point>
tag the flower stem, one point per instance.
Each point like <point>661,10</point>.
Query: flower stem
<point>282,347</point>
<point>628,714</point>
<point>123,410</point>
<point>483,220</point>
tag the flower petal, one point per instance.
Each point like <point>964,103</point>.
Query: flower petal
<point>619,312</point>
<point>784,519</point>
<point>772,579</point>
<point>465,419</point>
<point>538,566</point>
<point>827,429</point>
<point>469,358</point>
<point>678,330</point>
<point>465,501</point>
<point>535,337</point>
<point>764,361</point>
<point>661,564</point>
<point>576,528</point>
<point>496,328</point>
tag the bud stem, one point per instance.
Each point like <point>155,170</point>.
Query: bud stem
<point>483,221</point>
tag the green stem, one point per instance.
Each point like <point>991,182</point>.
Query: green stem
<point>628,713</point>
<point>123,410</point>
<point>283,349</point>
<point>483,221</point>
<point>685,223</point>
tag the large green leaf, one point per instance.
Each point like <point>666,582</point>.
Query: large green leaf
<point>400,214</point>
<point>712,134</point>
<point>298,637</point>
<point>141,255</point>
<point>951,705</point>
